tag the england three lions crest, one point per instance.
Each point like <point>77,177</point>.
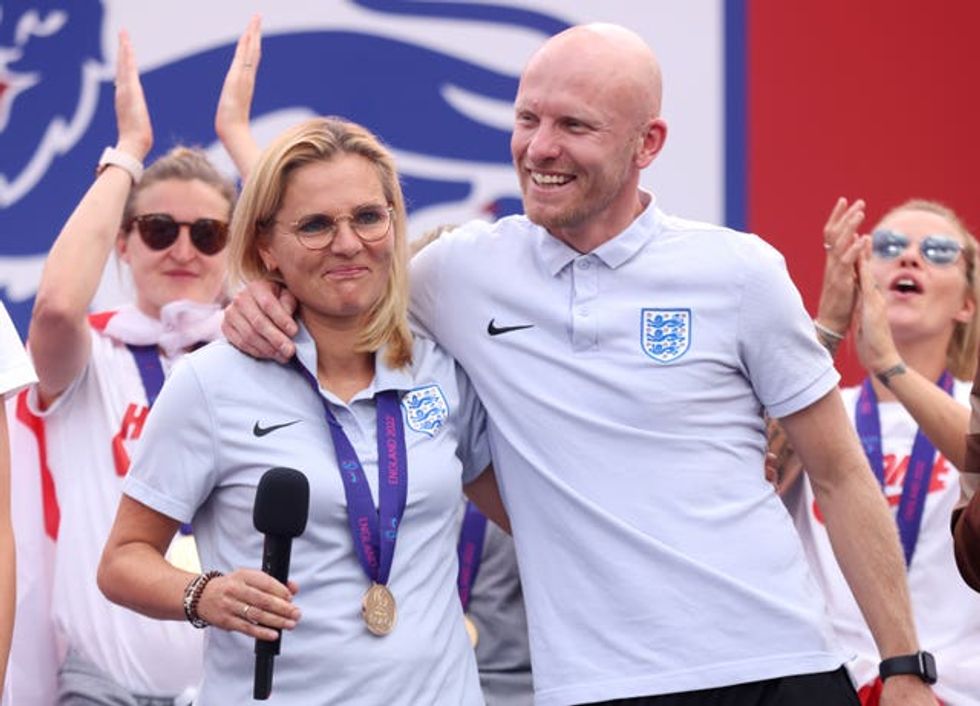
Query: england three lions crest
<point>426,409</point>
<point>665,333</point>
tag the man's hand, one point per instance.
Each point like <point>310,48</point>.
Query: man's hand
<point>906,690</point>
<point>259,321</point>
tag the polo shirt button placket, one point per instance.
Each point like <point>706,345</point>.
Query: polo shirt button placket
<point>585,288</point>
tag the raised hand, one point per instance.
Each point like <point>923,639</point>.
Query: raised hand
<point>132,115</point>
<point>231,119</point>
<point>841,243</point>
<point>875,346</point>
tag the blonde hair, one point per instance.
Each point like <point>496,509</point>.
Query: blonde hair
<point>182,164</point>
<point>428,237</point>
<point>320,140</point>
<point>961,354</point>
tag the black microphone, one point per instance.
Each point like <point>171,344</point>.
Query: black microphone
<point>282,503</point>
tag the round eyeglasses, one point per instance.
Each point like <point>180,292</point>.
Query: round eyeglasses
<point>317,230</point>
<point>940,250</point>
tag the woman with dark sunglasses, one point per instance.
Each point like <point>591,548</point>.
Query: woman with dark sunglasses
<point>98,376</point>
<point>908,295</point>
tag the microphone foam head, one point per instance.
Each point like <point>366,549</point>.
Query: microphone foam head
<point>282,503</point>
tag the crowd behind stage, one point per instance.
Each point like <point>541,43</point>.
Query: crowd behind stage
<point>494,471</point>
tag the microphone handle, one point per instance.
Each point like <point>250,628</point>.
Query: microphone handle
<point>275,562</point>
<point>275,556</point>
<point>262,688</point>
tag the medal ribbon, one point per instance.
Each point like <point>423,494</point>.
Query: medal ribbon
<point>150,369</point>
<point>151,374</point>
<point>374,531</point>
<point>470,551</point>
<point>919,471</point>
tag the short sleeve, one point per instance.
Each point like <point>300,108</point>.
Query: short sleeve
<point>786,365</point>
<point>16,370</point>
<point>473,450</point>
<point>174,467</point>
<point>426,274</point>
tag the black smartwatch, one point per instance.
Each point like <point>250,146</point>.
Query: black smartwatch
<point>921,664</point>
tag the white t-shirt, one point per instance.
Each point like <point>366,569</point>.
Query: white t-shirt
<point>16,370</point>
<point>91,430</point>
<point>201,459</point>
<point>946,610</point>
<point>624,390</point>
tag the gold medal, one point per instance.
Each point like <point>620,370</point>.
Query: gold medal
<point>471,630</point>
<point>378,610</point>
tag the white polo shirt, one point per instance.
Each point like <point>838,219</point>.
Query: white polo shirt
<point>201,458</point>
<point>624,390</point>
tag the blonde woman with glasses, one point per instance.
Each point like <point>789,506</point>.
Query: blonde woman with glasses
<point>383,425</point>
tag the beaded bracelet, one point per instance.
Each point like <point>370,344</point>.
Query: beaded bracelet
<point>192,596</point>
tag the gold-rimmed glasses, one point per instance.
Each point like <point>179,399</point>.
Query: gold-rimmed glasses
<point>316,231</point>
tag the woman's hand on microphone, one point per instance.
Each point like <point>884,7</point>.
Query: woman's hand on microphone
<point>250,602</point>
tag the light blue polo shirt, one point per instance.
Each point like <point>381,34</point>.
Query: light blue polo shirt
<point>204,449</point>
<point>625,391</point>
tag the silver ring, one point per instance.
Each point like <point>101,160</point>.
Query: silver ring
<point>245,611</point>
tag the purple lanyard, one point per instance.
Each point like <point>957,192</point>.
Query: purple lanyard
<point>150,369</point>
<point>470,552</point>
<point>151,374</point>
<point>915,489</point>
<point>374,531</point>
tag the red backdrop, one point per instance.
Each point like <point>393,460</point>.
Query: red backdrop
<point>874,99</point>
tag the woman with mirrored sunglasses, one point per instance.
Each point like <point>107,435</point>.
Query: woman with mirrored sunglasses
<point>907,296</point>
<point>99,374</point>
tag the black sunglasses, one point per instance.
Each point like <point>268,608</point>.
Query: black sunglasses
<point>160,230</point>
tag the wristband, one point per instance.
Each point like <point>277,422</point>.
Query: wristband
<point>828,338</point>
<point>830,333</point>
<point>192,596</point>
<point>123,160</point>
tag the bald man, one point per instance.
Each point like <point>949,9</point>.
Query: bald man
<point>625,358</point>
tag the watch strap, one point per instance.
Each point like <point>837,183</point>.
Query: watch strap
<point>123,160</point>
<point>921,664</point>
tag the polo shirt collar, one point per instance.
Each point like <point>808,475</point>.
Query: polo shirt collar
<point>556,255</point>
<point>385,378</point>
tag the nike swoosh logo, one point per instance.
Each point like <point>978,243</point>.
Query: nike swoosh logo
<point>262,431</point>
<point>495,330</point>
